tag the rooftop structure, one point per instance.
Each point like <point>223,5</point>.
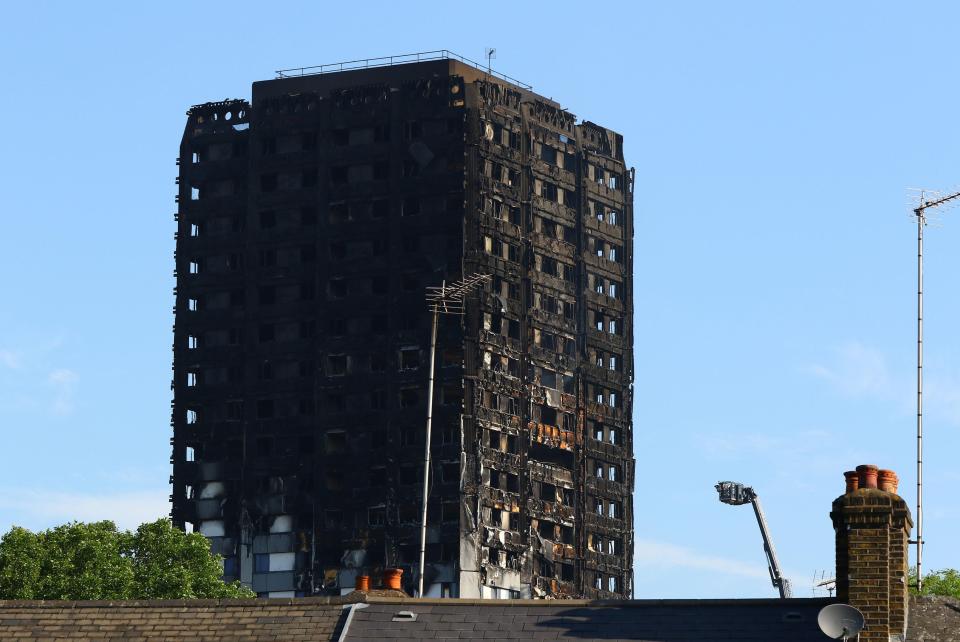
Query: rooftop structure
<point>872,525</point>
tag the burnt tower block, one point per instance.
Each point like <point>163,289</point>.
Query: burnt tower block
<point>311,220</point>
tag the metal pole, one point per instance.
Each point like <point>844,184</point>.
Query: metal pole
<point>921,213</point>
<point>313,546</point>
<point>426,448</point>
<point>921,220</point>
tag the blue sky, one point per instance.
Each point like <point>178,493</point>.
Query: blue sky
<point>774,256</point>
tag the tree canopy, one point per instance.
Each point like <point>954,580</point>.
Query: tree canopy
<point>944,582</point>
<point>95,561</point>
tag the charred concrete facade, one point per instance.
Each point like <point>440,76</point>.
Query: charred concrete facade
<point>310,221</point>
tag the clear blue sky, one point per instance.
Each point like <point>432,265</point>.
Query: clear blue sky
<point>775,261</point>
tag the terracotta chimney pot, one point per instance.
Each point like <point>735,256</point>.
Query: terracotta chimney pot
<point>391,578</point>
<point>852,478</point>
<point>363,583</point>
<point>887,481</point>
<point>868,475</point>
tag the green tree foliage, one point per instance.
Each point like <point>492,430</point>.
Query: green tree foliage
<point>168,563</point>
<point>79,561</point>
<point>83,562</point>
<point>19,564</point>
<point>944,582</point>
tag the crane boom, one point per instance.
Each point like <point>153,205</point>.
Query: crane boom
<point>773,565</point>
<point>737,495</point>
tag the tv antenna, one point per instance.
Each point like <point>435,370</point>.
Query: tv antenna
<point>443,299</point>
<point>840,621</point>
<point>821,581</point>
<point>925,200</point>
<point>490,53</point>
<point>736,494</point>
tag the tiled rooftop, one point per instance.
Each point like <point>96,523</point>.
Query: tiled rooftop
<point>646,620</point>
<point>306,619</point>
<point>385,616</point>
<point>934,619</point>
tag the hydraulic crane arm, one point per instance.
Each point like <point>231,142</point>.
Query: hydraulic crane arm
<point>736,495</point>
<point>773,566</point>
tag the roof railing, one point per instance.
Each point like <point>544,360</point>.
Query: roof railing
<point>387,61</point>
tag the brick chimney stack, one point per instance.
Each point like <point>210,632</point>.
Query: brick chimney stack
<point>872,525</point>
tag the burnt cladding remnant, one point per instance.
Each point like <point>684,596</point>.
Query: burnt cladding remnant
<point>310,221</point>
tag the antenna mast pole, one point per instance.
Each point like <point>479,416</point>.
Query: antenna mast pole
<point>426,447</point>
<point>921,213</point>
<point>921,222</point>
<point>443,299</point>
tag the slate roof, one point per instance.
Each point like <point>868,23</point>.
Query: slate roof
<point>644,620</point>
<point>251,619</point>
<point>934,619</point>
<point>377,616</point>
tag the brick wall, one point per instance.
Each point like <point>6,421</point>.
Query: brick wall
<point>872,532</point>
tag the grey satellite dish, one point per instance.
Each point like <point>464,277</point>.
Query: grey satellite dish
<point>840,621</point>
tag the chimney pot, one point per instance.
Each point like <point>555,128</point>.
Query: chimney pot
<point>363,583</point>
<point>887,481</point>
<point>391,578</point>
<point>868,475</point>
<point>852,478</point>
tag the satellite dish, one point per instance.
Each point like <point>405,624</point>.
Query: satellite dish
<point>840,621</point>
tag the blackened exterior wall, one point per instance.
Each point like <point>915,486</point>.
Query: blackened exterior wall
<point>547,430</point>
<point>310,222</point>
